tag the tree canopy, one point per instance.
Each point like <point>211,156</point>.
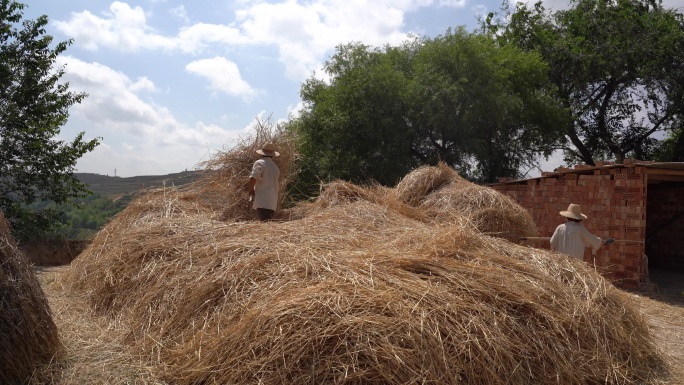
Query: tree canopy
<point>487,110</point>
<point>34,165</point>
<point>618,66</point>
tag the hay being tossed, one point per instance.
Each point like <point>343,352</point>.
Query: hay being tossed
<point>356,292</point>
<point>221,192</point>
<point>28,335</point>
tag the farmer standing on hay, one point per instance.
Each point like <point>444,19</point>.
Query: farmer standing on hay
<point>571,238</point>
<point>263,183</point>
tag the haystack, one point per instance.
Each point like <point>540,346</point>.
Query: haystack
<point>28,335</point>
<point>339,192</point>
<point>445,196</point>
<point>358,293</point>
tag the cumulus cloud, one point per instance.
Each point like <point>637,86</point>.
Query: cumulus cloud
<point>123,28</point>
<point>452,3</point>
<point>306,32</point>
<point>147,134</point>
<point>223,75</point>
<point>139,134</point>
<point>180,13</point>
<point>303,32</point>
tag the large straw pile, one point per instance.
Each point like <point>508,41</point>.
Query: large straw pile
<point>355,291</point>
<point>28,335</point>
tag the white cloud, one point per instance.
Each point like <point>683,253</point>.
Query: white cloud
<point>452,3</point>
<point>296,110</point>
<point>304,32</point>
<point>123,28</point>
<point>148,136</point>
<point>143,84</point>
<point>223,75</point>
<point>195,38</point>
<point>180,12</point>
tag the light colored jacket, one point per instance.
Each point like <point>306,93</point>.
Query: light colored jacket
<point>571,238</point>
<point>266,173</point>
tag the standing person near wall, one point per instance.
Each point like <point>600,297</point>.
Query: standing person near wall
<point>263,183</point>
<point>571,238</point>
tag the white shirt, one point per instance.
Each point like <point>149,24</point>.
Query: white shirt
<point>571,238</point>
<point>266,173</point>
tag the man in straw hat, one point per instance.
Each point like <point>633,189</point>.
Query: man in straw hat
<point>571,238</point>
<point>263,183</point>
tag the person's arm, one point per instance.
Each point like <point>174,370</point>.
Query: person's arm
<point>252,183</point>
<point>554,240</point>
<point>591,239</point>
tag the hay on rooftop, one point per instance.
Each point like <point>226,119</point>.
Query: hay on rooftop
<point>28,335</point>
<point>358,293</point>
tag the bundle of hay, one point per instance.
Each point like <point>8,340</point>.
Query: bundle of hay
<point>226,180</point>
<point>28,335</point>
<point>445,196</point>
<point>221,191</point>
<point>358,293</point>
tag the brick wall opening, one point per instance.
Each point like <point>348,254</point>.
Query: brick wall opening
<point>665,226</point>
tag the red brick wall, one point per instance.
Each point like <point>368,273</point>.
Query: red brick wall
<point>665,221</point>
<point>614,199</point>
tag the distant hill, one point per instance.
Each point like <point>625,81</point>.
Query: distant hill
<point>123,188</point>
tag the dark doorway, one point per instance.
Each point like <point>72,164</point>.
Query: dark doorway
<point>665,235</point>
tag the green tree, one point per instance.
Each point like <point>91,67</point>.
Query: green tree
<point>356,128</point>
<point>34,166</point>
<point>618,66</point>
<point>672,147</point>
<point>484,109</point>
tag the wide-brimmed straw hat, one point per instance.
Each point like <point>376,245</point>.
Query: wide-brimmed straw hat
<point>269,149</point>
<point>574,211</point>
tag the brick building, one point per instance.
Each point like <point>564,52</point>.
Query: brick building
<point>637,202</point>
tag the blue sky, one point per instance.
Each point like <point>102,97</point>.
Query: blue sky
<point>170,82</point>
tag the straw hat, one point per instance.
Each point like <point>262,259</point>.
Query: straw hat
<point>268,150</point>
<point>574,211</point>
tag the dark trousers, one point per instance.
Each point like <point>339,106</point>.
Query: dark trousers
<point>265,214</point>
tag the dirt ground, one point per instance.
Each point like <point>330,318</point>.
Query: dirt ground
<point>664,308</point>
<point>93,356</point>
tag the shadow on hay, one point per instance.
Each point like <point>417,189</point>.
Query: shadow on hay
<point>363,285</point>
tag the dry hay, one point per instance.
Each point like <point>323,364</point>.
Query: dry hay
<point>357,293</point>
<point>221,191</point>
<point>28,335</point>
<point>93,352</point>
<point>341,193</point>
<point>226,180</point>
<point>419,183</point>
<point>444,196</point>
